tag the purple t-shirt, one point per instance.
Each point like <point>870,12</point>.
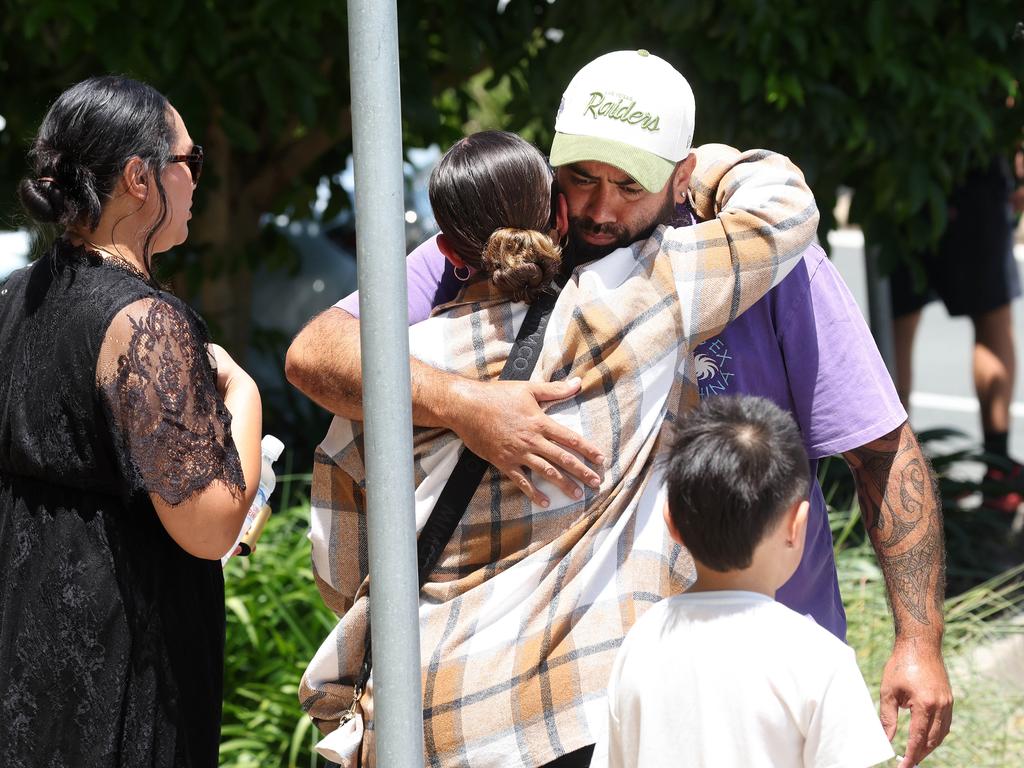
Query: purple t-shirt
<point>431,280</point>
<point>806,347</point>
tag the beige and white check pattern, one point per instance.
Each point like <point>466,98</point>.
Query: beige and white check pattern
<point>521,620</point>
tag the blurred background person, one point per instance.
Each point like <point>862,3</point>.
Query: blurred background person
<point>973,271</point>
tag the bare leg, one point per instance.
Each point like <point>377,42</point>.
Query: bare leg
<point>904,330</point>
<point>994,367</point>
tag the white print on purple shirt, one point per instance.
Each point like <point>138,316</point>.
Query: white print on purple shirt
<point>711,364</point>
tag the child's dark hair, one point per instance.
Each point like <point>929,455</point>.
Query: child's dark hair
<point>88,136</point>
<point>492,198</point>
<point>735,466</point>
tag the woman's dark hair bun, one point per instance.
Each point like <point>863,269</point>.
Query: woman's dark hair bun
<point>43,199</point>
<point>492,194</point>
<point>64,192</point>
<point>89,134</point>
<point>521,262</point>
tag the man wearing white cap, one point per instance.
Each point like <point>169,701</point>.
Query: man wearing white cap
<point>622,150</point>
<point>618,125</point>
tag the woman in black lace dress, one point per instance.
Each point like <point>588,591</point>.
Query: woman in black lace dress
<point>129,453</point>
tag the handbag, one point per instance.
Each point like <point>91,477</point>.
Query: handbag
<point>344,744</point>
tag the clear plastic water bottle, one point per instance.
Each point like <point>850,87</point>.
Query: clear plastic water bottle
<point>259,511</point>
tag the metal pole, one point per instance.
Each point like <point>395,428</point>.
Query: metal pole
<point>387,400</point>
<point>880,307</point>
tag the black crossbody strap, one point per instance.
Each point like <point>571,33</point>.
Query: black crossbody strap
<point>470,468</point>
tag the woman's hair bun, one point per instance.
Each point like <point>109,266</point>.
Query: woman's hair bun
<point>43,199</point>
<point>521,262</point>
<point>62,192</point>
<point>85,141</point>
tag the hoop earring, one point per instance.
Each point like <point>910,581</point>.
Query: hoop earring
<point>459,277</point>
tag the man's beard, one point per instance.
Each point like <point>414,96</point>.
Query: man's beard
<point>583,252</point>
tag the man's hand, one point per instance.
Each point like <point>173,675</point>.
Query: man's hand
<point>503,423</point>
<point>915,678</point>
<point>904,522</point>
<point>500,421</point>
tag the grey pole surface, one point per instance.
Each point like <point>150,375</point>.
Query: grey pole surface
<point>387,401</point>
<point>880,308</point>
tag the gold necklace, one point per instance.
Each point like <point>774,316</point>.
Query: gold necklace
<point>115,259</point>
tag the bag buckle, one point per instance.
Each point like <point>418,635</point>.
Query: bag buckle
<point>346,717</point>
<point>349,714</point>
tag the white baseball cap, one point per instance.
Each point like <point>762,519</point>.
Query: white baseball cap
<point>629,109</point>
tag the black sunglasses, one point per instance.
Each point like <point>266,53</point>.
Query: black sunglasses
<point>193,159</point>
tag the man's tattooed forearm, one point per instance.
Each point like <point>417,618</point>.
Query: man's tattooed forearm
<point>902,516</point>
<point>911,574</point>
<point>872,465</point>
<point>913,488</point>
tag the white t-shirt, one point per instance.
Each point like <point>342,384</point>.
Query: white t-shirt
<point>729,679</point>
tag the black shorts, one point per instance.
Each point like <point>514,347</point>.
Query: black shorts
<point>972,270</point>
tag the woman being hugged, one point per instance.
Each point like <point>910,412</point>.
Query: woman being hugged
<point>523,612</point>
<point>129,453</point>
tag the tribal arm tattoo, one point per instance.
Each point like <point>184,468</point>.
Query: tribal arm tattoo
<point>901,512</point>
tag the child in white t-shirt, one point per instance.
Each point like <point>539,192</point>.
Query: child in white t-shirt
<point>723,676</point>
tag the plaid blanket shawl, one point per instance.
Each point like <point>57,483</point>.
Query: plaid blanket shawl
<point>527,606</point>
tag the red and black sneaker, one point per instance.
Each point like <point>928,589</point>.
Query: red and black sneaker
<point>1003,488</point>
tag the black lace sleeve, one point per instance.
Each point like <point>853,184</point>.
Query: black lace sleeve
<point>171,427</point>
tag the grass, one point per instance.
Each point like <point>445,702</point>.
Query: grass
<point>276,622</point>
<point>988,717</point>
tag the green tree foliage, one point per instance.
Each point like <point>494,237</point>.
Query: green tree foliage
<point>893,99</point>
<point>263,86</point>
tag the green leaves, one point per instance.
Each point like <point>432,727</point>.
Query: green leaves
<point>895,100</point>
<point>276,621</point>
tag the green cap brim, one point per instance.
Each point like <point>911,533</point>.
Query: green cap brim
<point>649,170</point>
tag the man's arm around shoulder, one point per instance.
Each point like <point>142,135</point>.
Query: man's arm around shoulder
<point>500,421</point>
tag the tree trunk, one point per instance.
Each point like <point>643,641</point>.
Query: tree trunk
<point>229,225</point>
<point>225,294</point>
